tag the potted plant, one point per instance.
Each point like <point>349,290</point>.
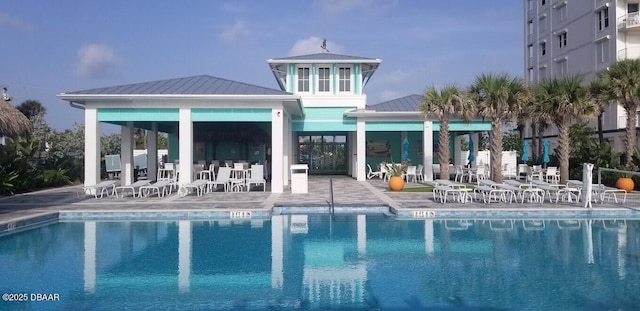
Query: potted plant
<point>625,182</point>
<point>396,171</point>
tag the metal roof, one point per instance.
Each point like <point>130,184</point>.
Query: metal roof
<point>325,56</point>
<point>407,103</point>
<point>196,85</point>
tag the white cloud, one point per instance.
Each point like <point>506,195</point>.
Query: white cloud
<point>96,61</point>
<point>313,45</point>
<point>240,29</point>
<point>398,76</point>
<point>12,22</point>
<point>336,7</point>
<point>389,95</point>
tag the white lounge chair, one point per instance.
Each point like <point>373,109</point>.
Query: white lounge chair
<point>134,187</point>
<point>102,187</point>
<point>373,173</point>
<point>257,177</point>
<point>199,186</point>
<point>161,188</point>
<point>223,178</point>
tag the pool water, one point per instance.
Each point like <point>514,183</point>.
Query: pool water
<point>315,262</point>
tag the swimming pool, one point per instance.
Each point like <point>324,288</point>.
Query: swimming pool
<point>315,262</point>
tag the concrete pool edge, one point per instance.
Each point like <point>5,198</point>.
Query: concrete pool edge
<point>29,221</point>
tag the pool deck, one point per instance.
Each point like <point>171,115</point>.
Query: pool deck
<point>348,193</point>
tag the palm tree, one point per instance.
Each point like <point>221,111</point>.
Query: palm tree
<point>444,104</point>
<point>562,101</point>
<point>598,94</point>
<point>12,122</point>
<point>622,84</point>
<point>498,98</point>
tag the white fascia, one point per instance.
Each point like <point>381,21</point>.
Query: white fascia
<point>325,61</point>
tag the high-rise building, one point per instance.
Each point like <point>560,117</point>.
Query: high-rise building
<point>581,37</point>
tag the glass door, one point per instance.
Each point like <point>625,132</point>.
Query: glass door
<point>325,154</point>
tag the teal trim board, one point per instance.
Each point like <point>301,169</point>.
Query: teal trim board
<point>378,126</point>
<point>230,114</point>
<point>459,126</point>
<point>138,114</point>
<point>325,113</point>
<point>322,126</point>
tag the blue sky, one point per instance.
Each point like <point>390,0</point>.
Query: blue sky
<point>50,47</point>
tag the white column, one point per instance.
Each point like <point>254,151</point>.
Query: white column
<point>428,237</point>
<point>126,153</point>
<point>186,147</point>
<point>361,151</point>
<point>277,152</point>
<point>427,150</point>
<point>362,235</point>
<point>353,154</point>
<point>457,147</point>
<point>90,257</point>
<point>277,251</point>
<point>476,143</point>
<point>286,157</point>
<point>91,147</point>
<point>152,152</point>
<point>184,255</point>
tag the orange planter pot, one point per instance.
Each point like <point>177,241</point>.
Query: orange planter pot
<point>625,183</point>
<point>396,183</point>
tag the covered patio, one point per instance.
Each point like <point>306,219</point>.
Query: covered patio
<point>205,117</point>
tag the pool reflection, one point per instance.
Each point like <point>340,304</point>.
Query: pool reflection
<point>315,262</point>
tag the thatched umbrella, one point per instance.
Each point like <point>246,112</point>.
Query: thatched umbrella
<point>12,122</point>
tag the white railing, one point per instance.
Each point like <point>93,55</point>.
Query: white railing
<point>629,53</point>
<point>629,20</point>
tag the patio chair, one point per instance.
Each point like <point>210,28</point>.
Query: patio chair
<point>257,177</point>
<point>373,173</point>
<point>552,175</point>
<point>134,187</point>
<point>459,173</point>
<point>412,172</point>
<point>223,178</point>
<point>420,172</point>
<point>436,171</point>
<point>102,188</point>
<point>199,186</point>
<point>160,187</point>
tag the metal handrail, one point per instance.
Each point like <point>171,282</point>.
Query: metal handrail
<point>602,169</point>
<point>330,201</point>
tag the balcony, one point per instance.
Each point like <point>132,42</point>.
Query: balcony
<point>629,22</point>
<point>629,53</point>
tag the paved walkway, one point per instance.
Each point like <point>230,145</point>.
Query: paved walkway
<point>346,190</point>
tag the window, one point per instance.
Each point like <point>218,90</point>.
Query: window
<point>530,73</point>
<point>603,18</point>
<point>562,40</point>
<point>344,79</point>
<point>602,51</point>
<point>562,67</point>
<point>324,79</point>
<point>543,2</point>
<point>530,46</point>
<point>563,13</point>
<point>530,27</point>
<point>542,24</point>
<point>303,79</point>
<point>543,72</point>
<point>560,12</point>
<point>543,48</point>
<point>633,7</point>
